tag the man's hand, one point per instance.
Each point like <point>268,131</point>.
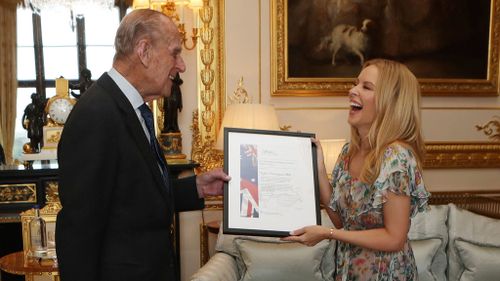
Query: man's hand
<point>211,183</point>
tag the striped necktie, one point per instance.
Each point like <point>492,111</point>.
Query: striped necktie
<point>153,142</point>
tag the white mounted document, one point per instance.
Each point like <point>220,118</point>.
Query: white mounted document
<point>274,187</point>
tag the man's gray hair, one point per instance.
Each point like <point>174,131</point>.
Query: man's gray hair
<point>140,24</point>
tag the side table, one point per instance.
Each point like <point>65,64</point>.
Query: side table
<point>14,263</point>
<point>205,229</point>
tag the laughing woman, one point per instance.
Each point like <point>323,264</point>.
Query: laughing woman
<point>377,181</point>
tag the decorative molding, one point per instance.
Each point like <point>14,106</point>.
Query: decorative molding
<point>203,150</point>
<point>215,204</point>
<point>18,193</point>
<point>207,74</point>
<point>9,218</point>
<point>49,214</point>
<point>208,116</point>
<point>212,91</point>
<point>491,129</point>
<point>452,155</point>
<point>52,192</point>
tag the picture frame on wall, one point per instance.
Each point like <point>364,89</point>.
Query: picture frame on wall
<point>273,188</point>
<point>451,46</point>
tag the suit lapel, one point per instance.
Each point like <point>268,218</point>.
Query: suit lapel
<point>136,130</point>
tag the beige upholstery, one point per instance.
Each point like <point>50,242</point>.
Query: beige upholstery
<point>220,267</point>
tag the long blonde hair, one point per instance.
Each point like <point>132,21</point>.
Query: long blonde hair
<point>398,117</point>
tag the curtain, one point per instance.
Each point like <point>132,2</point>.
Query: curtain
<point>8,75</point>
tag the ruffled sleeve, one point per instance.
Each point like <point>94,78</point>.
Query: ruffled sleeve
<point>399,174</point>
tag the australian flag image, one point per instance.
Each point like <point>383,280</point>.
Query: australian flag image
<point>249,183</point>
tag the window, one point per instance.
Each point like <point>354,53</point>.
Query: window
<point>60,53</point>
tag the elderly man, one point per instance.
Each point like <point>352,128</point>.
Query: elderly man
<point>118,201</point>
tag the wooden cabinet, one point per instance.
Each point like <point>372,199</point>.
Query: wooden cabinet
<point>20,190</point>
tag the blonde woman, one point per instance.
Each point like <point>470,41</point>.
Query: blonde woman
<point>377,181</point>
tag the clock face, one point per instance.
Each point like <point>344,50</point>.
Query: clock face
<point>59,110</point>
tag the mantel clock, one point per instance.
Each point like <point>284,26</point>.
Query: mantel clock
<point>58,109</point>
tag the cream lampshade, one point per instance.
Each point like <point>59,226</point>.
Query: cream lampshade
<point>331,151</point>
<point>247,116</point>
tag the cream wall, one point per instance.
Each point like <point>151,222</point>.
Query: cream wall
<point>248,49</point>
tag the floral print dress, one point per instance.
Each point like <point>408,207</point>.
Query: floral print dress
<point>360,207</point>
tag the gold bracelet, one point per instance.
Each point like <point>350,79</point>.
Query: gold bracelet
<point>331,233</point>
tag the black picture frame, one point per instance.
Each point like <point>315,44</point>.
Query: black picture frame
<point>274,182</point>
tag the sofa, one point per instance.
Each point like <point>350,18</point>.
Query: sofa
<point>457,239</point>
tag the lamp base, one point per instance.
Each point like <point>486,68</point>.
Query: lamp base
<point>171,144</point>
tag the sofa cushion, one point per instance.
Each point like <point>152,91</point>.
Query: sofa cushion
<point>285,261</point>
<point>480,260</point>
<point>475,229</point>
<point>220,267</point>
<point>425,251</point>
<point>430,225</point>
<point>225,243</point>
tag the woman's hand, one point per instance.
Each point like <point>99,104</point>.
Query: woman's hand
<point>309,235</point>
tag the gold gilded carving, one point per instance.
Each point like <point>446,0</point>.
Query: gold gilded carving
<point>49,210</point>
<point>52,192</point>
<point>491,129</point>
<point>207,96</point>
<point>207,56</point>
<point>49,214</point>
<point>212,70</point>
<point>207,74</point>
<point>204,255</point>
<point>18,193</point>
<point>208,116</point>
<point>203,151</point>
<point>285,128</point>
<point>215,204</point>
<point>10,218</point>
<point>160,114</point>
<point>54,138</point>
<point>462,155</point>
<point>240,95</point>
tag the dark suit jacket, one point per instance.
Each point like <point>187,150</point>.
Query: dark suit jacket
<point>116,215</point>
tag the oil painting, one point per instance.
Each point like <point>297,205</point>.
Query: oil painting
<point>320,46</point>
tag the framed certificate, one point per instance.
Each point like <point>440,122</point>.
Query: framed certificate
<point>274,187</point>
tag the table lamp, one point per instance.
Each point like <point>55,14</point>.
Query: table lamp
<point>331,151</point>
<point>247,116</point>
